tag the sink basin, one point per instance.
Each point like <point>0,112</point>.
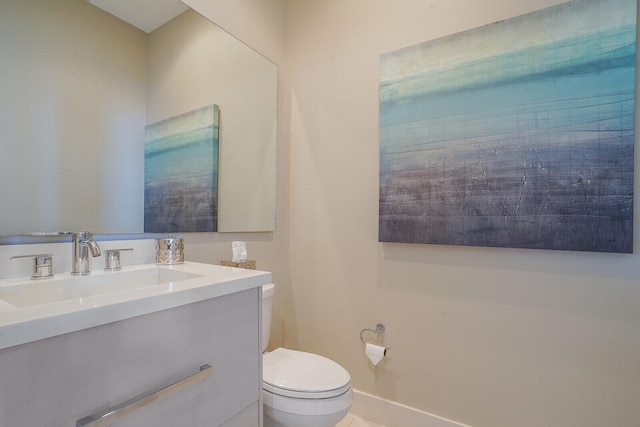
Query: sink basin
<point>32,310</point>
<point>66,288</point>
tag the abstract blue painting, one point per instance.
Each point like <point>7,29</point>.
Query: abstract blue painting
<point>516,134</point>
<point>181,173</point>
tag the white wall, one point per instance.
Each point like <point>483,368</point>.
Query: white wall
<point>485,336</point>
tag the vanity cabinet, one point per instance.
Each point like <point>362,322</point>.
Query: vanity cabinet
<point>57,381</point>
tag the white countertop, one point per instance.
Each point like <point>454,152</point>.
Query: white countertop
<point>20,325</point>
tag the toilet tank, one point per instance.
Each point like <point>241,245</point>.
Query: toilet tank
<point>267,309</point>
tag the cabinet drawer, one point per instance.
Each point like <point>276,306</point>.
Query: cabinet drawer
<point>57,381</point>
<point>250,416</point>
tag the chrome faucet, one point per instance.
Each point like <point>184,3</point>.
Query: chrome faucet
<point>83,243</point>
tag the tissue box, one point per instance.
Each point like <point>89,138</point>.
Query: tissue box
<point>249,265</point>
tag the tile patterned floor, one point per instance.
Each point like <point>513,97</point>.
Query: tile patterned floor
<point>353,421</point>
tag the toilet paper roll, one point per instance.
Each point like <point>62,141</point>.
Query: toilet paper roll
<point>375,353</point>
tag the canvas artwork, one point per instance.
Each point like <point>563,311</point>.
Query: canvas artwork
<point>181,173</point>
<point>516,134</point>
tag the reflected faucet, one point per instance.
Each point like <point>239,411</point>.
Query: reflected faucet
<point>83,243</point>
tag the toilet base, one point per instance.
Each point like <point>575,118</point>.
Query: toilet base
<point>281,411</point>
<point>294,420</point>
<point>312,402</point>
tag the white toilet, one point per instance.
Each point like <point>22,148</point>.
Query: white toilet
<point>300,389</point>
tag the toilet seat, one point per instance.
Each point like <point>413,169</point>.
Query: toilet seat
<point>302,375</point>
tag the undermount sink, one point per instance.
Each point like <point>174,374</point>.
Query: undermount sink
<point>66,288</point>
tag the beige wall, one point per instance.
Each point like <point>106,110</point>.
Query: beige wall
<point>489,337</point>
<point>260,24</point>
<point>72,110</point>
<point>193,63</point>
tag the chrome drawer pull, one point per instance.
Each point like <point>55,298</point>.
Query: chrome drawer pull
<point>117,413</point>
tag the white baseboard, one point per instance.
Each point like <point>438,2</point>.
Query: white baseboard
<point>392,414</point>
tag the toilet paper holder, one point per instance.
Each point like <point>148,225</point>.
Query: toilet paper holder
<point>378,330</point>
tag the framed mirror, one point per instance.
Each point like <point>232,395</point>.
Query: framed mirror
<point>80,85</point>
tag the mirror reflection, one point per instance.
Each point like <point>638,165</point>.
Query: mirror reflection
<point>79,85</point>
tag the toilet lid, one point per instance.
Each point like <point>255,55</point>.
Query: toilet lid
<point>300,374</point>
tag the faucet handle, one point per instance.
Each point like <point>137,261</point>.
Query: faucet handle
<point>42,265</point>
<point>112,259</point>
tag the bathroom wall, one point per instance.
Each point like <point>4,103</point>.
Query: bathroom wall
<point>72,110</point>
<point>261,25</point>
<point>485,336</point>
<point>258,23</point>
<point>244,86</point>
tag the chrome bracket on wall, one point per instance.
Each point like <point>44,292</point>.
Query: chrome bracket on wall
<point>378,330</point>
